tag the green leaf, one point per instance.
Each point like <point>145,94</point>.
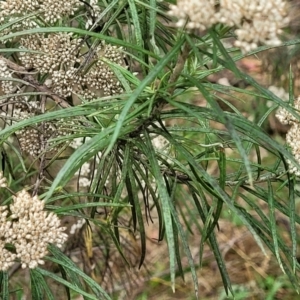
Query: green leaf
<point>65,262</point>
<point>147,80</point>
<point>137,211</point>
<point>165,204</point>
<point>60,114</point>
<point>223,118</point>
<point>17,20</point>
<point>292,215</point>
<point>4,286</point>
<point>186,248</point>
<point>39,286</point>
<point>102,37</point>
<point>66,283</point>
<point>81,155</point>
<point>64,276</point>
<point>273,224</point>
<point>87,205</point>
<point>152,25</point>
<point>136,23</point>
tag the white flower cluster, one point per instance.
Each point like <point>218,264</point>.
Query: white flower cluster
<point>3,182</point>
<point>37,139</point>
<point>77,226</point>
<point>95,12</point>
<point>61,52</point>
<point>71,67</point>
<point>100,77</point>
<point>84,174</point>
<point>50,10</point>
<point>257,21</point>
<point>29,229</point>
<point>160,143</point>
<point>201,14</point>
<point>287,118</point>
<point>162,146</point>
<point>57,50</point>
<point>293,135</point>
<point>6,85</point>
<point>280,92</point>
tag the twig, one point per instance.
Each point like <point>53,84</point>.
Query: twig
<point>27,76</point>
<point>41,176</point>
<point>161,103</point>
<point>179,67</point>
<point>262,178</point>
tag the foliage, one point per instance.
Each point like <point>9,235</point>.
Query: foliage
<point>142,147</point>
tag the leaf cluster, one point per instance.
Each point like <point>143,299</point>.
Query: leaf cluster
<point>134,179</point>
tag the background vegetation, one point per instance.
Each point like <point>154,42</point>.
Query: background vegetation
<point>158,148</point>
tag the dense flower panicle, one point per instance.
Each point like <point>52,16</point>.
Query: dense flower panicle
<point>54,10</point>
<point>112,53</point>
<point>19,25</point>
<point>7,258</point>
<point>50,10</point>
<point>24,204</point>
<point>61,52</point>
<point>28,137</point>
<point>293,135</point>
<point>257,21</point>
<point>11,7</point>
<point>3,182</point>
<point>102,80</point>
<point>60,59</point>
<point>260,23</point>
<point>95,12</point>
<point>71,67</point>
<point>286,117</point>
<point>293,140</point>
<point>6,85</point>
<point>58,50</point>
<point>30,229</point>
<point>84,175</point>
<point>280,92</point>
<point>66,82</point>
<point>101,77</point>
<point>4,225</point>
<point>37,139</point>
<point>200,14</point>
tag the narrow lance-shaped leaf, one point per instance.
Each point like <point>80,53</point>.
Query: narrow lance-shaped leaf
<point>165,203</point>
<point>37,289</point>
<point>273,224</point>
<point>147,80</point>
<point>292,210</point>
<point>4,286</point>
<point>64,261</point>
<point>138,213</point>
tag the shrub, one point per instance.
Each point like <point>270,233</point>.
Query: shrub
<point>109,115</point>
